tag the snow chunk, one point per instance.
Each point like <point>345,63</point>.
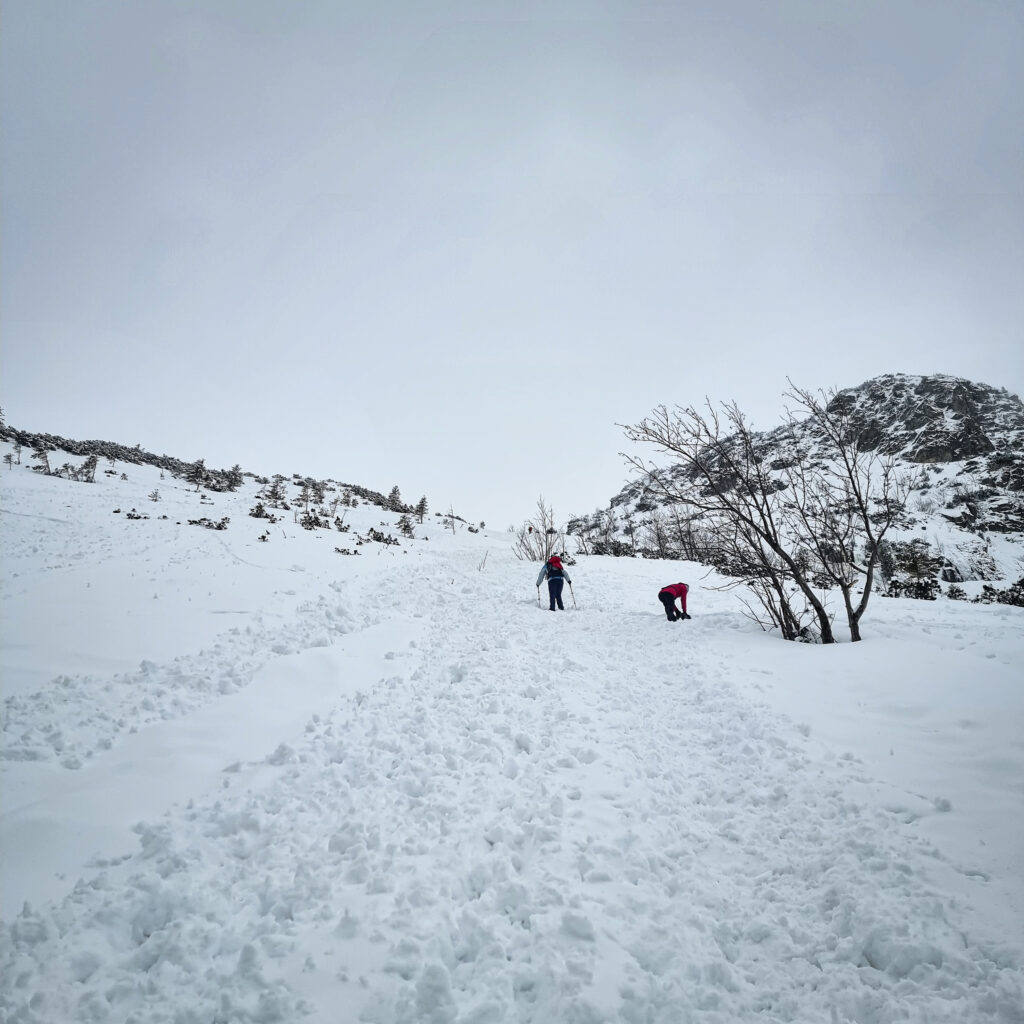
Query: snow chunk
<point>283,755</point>
<point>578,926</point>
<point>435,1003</point>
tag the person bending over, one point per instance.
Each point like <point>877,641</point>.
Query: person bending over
<point>668,595</point>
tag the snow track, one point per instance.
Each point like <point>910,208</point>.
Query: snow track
<point>421,799</point>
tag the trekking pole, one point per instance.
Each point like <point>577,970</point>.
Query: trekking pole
<point>538,595</point>
<point>573,592</point>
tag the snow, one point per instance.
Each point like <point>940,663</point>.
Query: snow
<point>248,781</point>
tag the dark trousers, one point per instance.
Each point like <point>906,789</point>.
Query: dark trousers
<point>555,592</point>
<point>671,611</point>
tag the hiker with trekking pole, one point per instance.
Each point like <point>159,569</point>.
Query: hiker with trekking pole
<point>554,572</point>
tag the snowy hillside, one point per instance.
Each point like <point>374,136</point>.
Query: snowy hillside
<point>253,780</point>
<point>965,442</point>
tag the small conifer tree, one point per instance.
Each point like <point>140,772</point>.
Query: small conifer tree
<point>196,473</point>
<point>275,492</point>
<point>42,456</point>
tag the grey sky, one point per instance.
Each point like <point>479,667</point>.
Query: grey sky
<point>450,246</point>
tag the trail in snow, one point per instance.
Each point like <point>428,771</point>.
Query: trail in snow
<point>422,798</point>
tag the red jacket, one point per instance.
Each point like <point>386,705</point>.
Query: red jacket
<point>676,590</point>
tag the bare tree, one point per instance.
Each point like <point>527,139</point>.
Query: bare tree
<point>538,538</point>
<point>606,542</point>
<point>582,528</point>
<point>673,531</point>
<point>723,478</point>
<point>657,538</point>
<point>789,514</point>
<point>847,503</point>
<point>629,528</point>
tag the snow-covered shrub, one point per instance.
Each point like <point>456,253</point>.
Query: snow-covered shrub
<point>919,589</point>
<point>1012,595</point>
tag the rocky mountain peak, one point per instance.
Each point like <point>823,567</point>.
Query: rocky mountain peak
<point>936,419</point>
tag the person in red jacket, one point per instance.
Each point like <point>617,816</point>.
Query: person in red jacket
<point>667,596</point>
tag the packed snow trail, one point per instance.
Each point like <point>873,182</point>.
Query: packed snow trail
<point>439,802</point>
<point>612,812</point>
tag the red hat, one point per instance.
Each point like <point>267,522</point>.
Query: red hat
<point>555,560</point>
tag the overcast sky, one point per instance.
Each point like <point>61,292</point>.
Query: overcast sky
<point>450,246</point>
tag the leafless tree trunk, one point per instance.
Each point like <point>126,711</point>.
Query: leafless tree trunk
<point>607,543</point>
<point>582,542</point>
<point>582,530</point>
<point>657,538</point>
<point>629,527</point>
<point>852,501</point>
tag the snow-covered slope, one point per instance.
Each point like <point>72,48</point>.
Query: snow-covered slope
<point>966,441</point>
<point>250,780</point>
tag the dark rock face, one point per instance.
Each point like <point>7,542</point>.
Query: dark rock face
<point>931,420</point>
<point>940,419</point>
<point>937,444</point>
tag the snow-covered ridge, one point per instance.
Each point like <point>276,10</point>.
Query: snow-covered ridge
<point>24,443</point>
